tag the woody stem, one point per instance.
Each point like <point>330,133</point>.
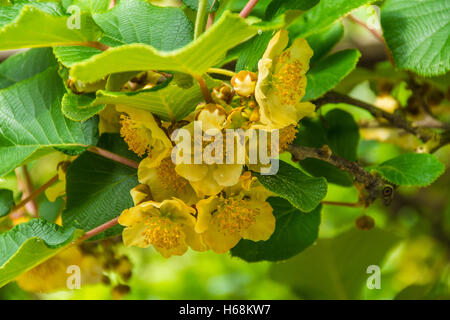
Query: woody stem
<point>248,8</point>
<point>112,156</point>
<point>99,229</point>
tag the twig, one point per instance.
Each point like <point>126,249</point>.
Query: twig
<point>112,156</point>
<point>26,185</point>
<point>394,119</point>
<point>248,8</point>
<point>211,16</point>
<point>92,44</point>
<point>204,88</point>
<point>372,183</point>
<point>99,229</point>
<point>34,194</point>
<point>342,204</point>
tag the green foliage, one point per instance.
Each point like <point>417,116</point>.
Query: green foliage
<point>32,123</point>
<point>302,191</point>
<point>6,201</point>
<point>327,73</point>
<point>24,65</point>
<point>323,15</point>
<point>280,6</point>
<point>213,5</point>
<point>294,232</point>
<point>98,189</point>
<point>41,24</point>
<point>137,21</point>
<point>338,130</point>
<point>29,244</point>
<point>336,268</point>
<point>321,43</point>
<point>80,107</point>
<point>417,33</point>
<point>195,58</point>
<point>412,169</point>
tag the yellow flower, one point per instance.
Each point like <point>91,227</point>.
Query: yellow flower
<point>168,226</point>
<point>164,182</point>
<point>51,275</point>
<point>206,179</point>
<point>282,82</point>
<point>143,135</point>
<point>224,221</point>
<point>212,117</point>
<point>109,120</point>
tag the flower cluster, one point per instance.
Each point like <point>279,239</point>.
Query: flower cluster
<point>214,205</point>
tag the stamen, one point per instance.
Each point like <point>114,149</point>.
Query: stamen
<point>289,81</point>
<point>163,233</point>
<point>169,179</point>
<point>234,215</point>
<point>138,138</point>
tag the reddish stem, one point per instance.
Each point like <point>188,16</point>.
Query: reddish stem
<point>342,204</point>
<point>248,8</point>
<point>115,157</point>
<point>99,229</point>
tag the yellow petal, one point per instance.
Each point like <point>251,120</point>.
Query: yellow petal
<point>264,224</point>
<point>218,241</point>
<point>277,44</point>
<point>205,208</point>
<point>192,172</point>
<point>227,175</point>
<point>134,236</point>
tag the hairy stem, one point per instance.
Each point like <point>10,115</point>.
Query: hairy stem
<point>112,156</point>
<point>394,119</point>
<point>248,8</point>
<point>372,184</point>
<point>26,185</point>
<point>99,229</point>
<point>200,21</point>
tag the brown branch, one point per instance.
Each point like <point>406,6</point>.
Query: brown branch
<point>248,8</point>
<point>373,184</point>
<point>394,119</point>
<point>34,194</point>
<point>91,44</point>
<point>205,90</point>
<point>342,204</point>
<point>112,156</point>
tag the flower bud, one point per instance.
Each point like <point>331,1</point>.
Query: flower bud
<point>244,83</point>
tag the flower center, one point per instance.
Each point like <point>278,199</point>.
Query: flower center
<point>138,138</point>
<point>287,136</point>
<point>234,215</point>
<point>289,81</point>
<point>168,178</point>
<point>163,233</point>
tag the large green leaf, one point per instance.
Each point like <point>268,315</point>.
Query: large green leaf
<point>417,32</point>
<point>327,73</point>
<point>6,201</point>
<point>32,124</point>
<point>98,189</point>
<point>335,268</point>
<point>195,58</point>
<point>290,183</point>
<point>323,15</point>
<point>294,232</point>
<point>411,169</point>
<point>321,43</point>
<point>42,24</point>
<point>280,6</point>
<point>137,21</point>
<point>29,244</point>
<point>24,65</point>
<point>338,130</point>
<point>213,5</point>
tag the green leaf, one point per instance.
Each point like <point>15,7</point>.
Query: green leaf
<point>280,6</point>
<point>98,189</point>
<point>412,169</point>
<point>327,73</point>
<point>417,32</point>
<point>303,191</point>
<point>29,244</point>
<point>195,58</point>
<point>338,130</point>
<point>42,24</point>
<point>69,55</point>
<point>137,21</point>
<point>32,124</point>
<point>6,201</point>
<point>321,43</point>
<point>252,51</point>
<point>335,268</point>
<point>294,232</point>
<point>79,107</point>
<point>169,103</point>
<point>323,15</point>
<point>24,65</point>
<point>213,5</point>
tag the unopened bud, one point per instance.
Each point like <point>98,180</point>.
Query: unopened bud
<point>244,83</point>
